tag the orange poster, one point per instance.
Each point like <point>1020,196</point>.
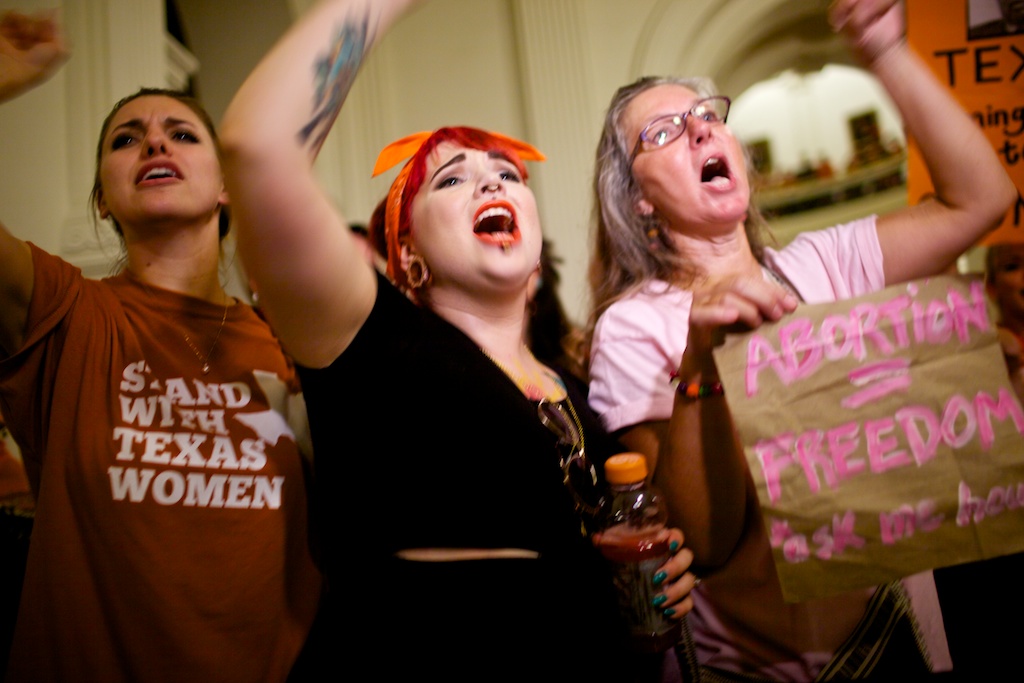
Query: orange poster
<point>976,47</point>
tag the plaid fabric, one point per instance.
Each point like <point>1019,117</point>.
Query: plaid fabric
<point>886,643</point>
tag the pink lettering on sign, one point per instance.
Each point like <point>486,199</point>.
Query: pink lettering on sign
<point>887,328</point>
<point>1000,499</point>
<point>907,520</point>
<point>911,421</point>
<point>910,438</point>
<point>826,542</point>
<point>880,379</point>
<point>836,540</point>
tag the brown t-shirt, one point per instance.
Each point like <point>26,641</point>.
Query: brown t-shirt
<point>14,489</point>
<point>170,538</point>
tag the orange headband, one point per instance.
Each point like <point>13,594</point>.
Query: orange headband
<point>405,148</point>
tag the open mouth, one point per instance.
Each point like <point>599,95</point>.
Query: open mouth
<point>713,169</point>
<point>157,173</point>
<point>495,223</point>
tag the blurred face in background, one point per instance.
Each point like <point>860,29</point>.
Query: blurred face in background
<point>1005,282</point>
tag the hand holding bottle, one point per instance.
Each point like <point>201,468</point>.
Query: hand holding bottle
<point>648,561</point>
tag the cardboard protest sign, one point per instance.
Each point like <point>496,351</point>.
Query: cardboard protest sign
<point>882,433</point>
<point>975,47</point>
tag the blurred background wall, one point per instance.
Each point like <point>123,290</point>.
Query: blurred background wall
<point>828,141</point>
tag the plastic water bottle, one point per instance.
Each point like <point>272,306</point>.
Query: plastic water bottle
<point>630,539</point>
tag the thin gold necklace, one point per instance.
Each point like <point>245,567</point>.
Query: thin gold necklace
<point>530,384</point>
<point>205,360</point>
<point>579,425</point>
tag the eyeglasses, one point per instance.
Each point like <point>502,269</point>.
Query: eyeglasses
<point>665,129</point>
<point>578,474</point>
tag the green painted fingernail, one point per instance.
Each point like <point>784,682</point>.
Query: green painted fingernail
<point>659,577</point>
<point>673,546</point>
<point>658,600</point>
<point>669,612</point>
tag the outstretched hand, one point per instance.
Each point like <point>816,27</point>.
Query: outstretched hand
<point>871,27</point>
<point>32,48</point>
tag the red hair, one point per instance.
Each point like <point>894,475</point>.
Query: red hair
<point>392,215</point>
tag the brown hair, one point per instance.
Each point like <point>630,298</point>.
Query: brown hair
<point>188,101</point>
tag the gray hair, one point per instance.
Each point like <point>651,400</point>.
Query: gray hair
<point>630,249</point>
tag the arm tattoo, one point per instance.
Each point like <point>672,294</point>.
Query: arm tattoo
<point>333,76</point>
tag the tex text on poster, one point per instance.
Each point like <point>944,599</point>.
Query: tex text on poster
<point>976,47</point>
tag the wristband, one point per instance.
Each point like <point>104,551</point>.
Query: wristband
<point>697,390</point>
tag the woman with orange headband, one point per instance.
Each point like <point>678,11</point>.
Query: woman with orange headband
<point>456,475</point>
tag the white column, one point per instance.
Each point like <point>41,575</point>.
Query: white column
<point>118,46</point>
<point>556,85</point>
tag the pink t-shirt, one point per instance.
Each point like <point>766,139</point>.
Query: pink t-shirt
<point>637,343</point>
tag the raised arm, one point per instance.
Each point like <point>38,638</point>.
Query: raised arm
<point>32,48</point>
<point>314,283</point>
<point>972,189</point>
<point>702,467</point>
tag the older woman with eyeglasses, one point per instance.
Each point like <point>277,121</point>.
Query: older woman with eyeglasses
<point>679,255</point>
<point>457,475</point>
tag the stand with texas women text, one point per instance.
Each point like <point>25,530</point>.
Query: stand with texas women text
<point>882,433</point>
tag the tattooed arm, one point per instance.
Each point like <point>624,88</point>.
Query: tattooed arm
<point>314,283</point>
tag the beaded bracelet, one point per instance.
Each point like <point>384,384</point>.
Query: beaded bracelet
<point>697,390</point>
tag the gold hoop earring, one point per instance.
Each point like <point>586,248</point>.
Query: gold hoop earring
<point>417,274</point>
